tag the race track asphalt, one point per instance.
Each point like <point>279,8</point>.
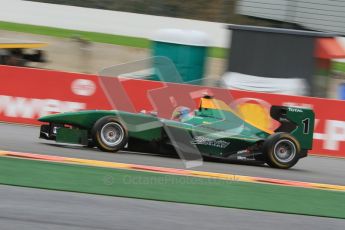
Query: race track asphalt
<point>311,169</point>
<point>32,209</point>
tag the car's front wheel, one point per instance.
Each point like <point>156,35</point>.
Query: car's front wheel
<point>281,150</point>
<point>109,134</point>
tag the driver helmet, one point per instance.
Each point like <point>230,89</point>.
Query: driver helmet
<point>182,113</point>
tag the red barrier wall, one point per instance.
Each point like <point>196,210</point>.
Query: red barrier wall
<point>26,94</point>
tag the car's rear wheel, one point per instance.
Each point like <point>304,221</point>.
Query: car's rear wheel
<point>281,150</point>
<point>109,134</point>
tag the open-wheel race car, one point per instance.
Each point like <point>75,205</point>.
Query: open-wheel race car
<point>213,129</point>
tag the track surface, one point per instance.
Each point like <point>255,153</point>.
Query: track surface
<point>310,169</point>
<point>31,209</point>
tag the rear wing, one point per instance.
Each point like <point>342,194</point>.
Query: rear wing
<point>299,122</point>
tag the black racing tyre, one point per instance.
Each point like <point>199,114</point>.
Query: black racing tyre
<point>109,134</point>
<point>281,150</point>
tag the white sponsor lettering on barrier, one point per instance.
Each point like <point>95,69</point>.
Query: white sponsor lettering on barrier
<point>333,136</point>
<point>33,107</point>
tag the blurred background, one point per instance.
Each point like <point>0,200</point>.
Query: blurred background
<point>291,47</point>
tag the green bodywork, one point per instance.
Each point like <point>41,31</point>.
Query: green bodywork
<point>305,121</point>
<point>215,132</point>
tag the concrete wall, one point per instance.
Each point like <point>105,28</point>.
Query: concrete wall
<point>104,21</point>
<point>138,25</point>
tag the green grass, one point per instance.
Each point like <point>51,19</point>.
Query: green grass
<point>92,36</point>
<point>64,33</point>
<point>338,66</point>
<point>217,52</point>
<point>183,189</point>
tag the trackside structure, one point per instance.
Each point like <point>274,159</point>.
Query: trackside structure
<point>283,54</point>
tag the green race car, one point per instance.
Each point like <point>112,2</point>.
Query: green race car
<point>213,130</point>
